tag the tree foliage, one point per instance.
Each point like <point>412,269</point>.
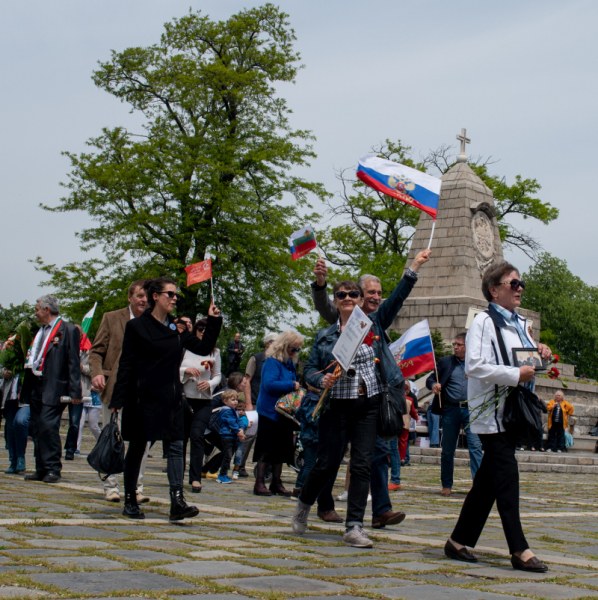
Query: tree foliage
<point>569,310</point>
<point>209,174</point>
<point>12,315</point>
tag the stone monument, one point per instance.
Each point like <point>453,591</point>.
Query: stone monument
<point>466,242</point>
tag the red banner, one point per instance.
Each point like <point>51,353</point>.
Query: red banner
<point>198,272</point>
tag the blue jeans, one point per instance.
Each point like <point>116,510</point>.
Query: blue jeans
<point>72,436</point>
<point>395,460</point>
<point>16,429</point>
<point>453,419</point>
<point>433,428</point>
<point>346,421</point>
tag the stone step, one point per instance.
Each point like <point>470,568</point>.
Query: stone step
<point>540,462</point>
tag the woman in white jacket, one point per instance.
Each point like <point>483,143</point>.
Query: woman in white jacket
<point>200,376</point>
<point>488,378</point>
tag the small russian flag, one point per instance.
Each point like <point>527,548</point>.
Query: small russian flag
<point>413,351</point>
<point>401,182</point>
<point>302,242</point>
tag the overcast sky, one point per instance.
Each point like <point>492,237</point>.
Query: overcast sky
<point>520,75</point>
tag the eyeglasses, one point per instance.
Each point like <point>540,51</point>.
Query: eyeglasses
<point>457,344</point>
<point>294,350</point>
<point>342,295</point>
<point>515,284</point>
<point>170,294</point>
<point>200,329</point>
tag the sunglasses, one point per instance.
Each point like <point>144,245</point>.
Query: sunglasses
<point>515,284</point>
<point>294,350</point>
<point>342,295</point>
<point>170,294</point>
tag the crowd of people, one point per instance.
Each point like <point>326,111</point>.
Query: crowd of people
<point>162,376</point>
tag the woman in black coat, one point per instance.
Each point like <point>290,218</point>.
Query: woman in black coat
<point>148,389</point>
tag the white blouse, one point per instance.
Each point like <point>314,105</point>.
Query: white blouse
<point>209,370</point>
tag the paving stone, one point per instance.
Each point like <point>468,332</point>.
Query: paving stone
<point>335,571</point>
<point>212,568</point>
<point>213,597</point>
<point>70,544</point>
<point>291,584</point>
<point>207,554</point>
<point>547,591</point>
<point>285,563</point>
<point>96,563</point>
<point>368,582</point>
<point>9,591</point>
<point>31,552</point>
<point>338,550</point>
<point>436,592</point>
<point>416,567</point>
<point>117,581</point>
<point>144,555</point>
<point>80,531</point>
<point>164,545</point>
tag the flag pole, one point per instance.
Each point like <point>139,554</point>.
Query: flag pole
<point>212,290</point>
<point>432,233</point>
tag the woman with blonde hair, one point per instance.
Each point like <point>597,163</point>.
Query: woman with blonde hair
<point>274,442</point>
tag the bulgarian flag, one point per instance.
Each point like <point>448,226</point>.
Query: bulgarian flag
<point>302,242</point>
<point>85,343</point>
<point>86,323</point>
<point>401,182</point>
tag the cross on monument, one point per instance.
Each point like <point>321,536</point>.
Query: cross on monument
<point>464,140</point>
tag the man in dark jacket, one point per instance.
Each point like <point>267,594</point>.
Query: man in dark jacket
<point>451,403</point>
<point>52,373</point>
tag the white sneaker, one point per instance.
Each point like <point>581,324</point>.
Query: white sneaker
<point>299,522</point>
<point>343,497</point>
<point>356,537</point>
<point>112,496</point>
<point>235,474</point>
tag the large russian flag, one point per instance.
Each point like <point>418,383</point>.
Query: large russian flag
<point>302,242</point>
<point>401,182</point>
<point>413,351</point>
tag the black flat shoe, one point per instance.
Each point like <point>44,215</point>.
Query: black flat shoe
<point>463,555</point>
<point>533,564</point>
<point>195,489</point>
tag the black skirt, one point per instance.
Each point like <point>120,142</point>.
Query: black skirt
<point>274,443</point>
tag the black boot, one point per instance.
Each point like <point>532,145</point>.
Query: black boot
<point>260,489</point>
<point>276,486</point>
<point>179,509</point>
<point>131,508</point>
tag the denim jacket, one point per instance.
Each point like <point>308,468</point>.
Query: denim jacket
<point>321,354</point>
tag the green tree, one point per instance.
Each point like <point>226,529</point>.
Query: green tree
<point>12,315</point>
<point>210,174</point>
<point>569,311</point>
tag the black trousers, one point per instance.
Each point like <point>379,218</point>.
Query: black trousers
<point>497,480</point>
<point>556,437</point>
<point>44,426</point>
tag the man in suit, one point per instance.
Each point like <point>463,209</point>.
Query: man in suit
<point>52,373</point>
<point>104,357</point>
<point>451,403</point>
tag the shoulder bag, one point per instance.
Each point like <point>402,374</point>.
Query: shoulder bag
<point>108,455</point>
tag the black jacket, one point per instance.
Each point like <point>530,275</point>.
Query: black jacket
<point>148,386</point>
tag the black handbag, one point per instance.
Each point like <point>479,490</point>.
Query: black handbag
<point>108,455</point>
<point>390,414</point>
<point>522,418</point>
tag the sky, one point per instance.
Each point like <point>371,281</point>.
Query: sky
<point>519,75</point>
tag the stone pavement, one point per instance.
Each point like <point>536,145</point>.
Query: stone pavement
<point>65,541</point>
